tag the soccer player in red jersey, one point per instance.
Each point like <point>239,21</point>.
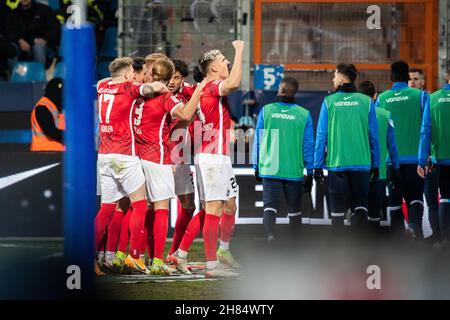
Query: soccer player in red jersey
<point>118,228</point>
<point>118,165</point>
<point>152,126</point>
<point>180,148</point>
<point>216,182</point>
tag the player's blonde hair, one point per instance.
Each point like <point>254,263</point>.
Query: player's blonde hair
<point>153,57</point>
<point>118,66</point>
<point>163,70</point>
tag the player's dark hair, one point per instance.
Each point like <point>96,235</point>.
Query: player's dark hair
<point>290,87</point>
<point>419,71</point>
<point>400,71</point>
<point>348,70</point>
<point>197,74</point>
<point>367,88</point>
<point>138,63</point>
<point>203,64</point>
<point>181,67</point>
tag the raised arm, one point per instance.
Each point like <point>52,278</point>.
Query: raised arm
<point>233,82</point>
<point>187,112</point>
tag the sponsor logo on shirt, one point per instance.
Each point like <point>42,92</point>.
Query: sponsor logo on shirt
<point>107,90</point>
<point>106,129</point>
<point>443,100</point>
<point>208,127</point>
<point>174,99</point>
<point>346,104</point>
<point>283,116</point>
<point>346,98</point>
<point>397,93</point>
<point>397,99</point>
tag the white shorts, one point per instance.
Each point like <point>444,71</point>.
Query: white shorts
<point>184,183</point>
<point>120,175</point>
<point>215,177</point>
<point>159,179</point>
<point>99,186</point>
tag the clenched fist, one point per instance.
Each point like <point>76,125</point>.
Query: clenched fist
<point>238,45</point>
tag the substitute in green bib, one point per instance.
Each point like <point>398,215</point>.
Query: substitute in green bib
<point>347,146</point>
<point>386,138</point>
<point>283,149</point>
<point>406,107</point>
<point>435,140</point>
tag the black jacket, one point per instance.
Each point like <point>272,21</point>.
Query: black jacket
<point>38,21</point>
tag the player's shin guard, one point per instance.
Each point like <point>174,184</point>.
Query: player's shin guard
<point>124,237</point>
<point>183,219</point>
<point>160,231</point>
<point>269,221</point>
<point>137,224</point>
<point>102,220</point>
<point>415,218</point>
<point>192,231</point>
<point>444,218</point>
<point>210,236</point>
<point>113,231</point>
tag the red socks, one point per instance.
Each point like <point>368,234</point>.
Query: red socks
<point>150,240</point>
<point>124,237</point>
<point>192,231</point>
<point>160,228</point>
<point>227,222</point>
<point>184,216</point>
<point>102,220</point>
<point>210,236</point>
<point>137,225</point>
<point>113,231</point>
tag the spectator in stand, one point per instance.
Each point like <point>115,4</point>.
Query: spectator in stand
<point>35,31</point>
<point>99,13</point>
<point>7,50</point>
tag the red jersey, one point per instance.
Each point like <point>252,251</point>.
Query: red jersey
<point>216,113</point>
<point>184,94</point>
<point>152,127</point>
<point>115,105</point>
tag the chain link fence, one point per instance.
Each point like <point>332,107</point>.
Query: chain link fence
<point>179,29</point>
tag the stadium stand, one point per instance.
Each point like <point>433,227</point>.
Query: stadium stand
<point>28,71</point>
<point>60,71</point>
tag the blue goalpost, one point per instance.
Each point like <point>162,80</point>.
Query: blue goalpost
<point>80,158</point>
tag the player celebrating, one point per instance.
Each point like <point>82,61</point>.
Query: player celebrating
<point>406,106</point>
<point>348,130</point>
<point>435,135</point>
<point>214,173</point>
<point>151,124</point>
<point>119,168</point>
<point>184,185</point>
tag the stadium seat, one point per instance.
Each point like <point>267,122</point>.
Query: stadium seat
<point>54,4</point>
<point>102,69</point>
<point>109,46</point>
<point>114,5</point>
<point>28,71</point>
<point>60,70</point>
